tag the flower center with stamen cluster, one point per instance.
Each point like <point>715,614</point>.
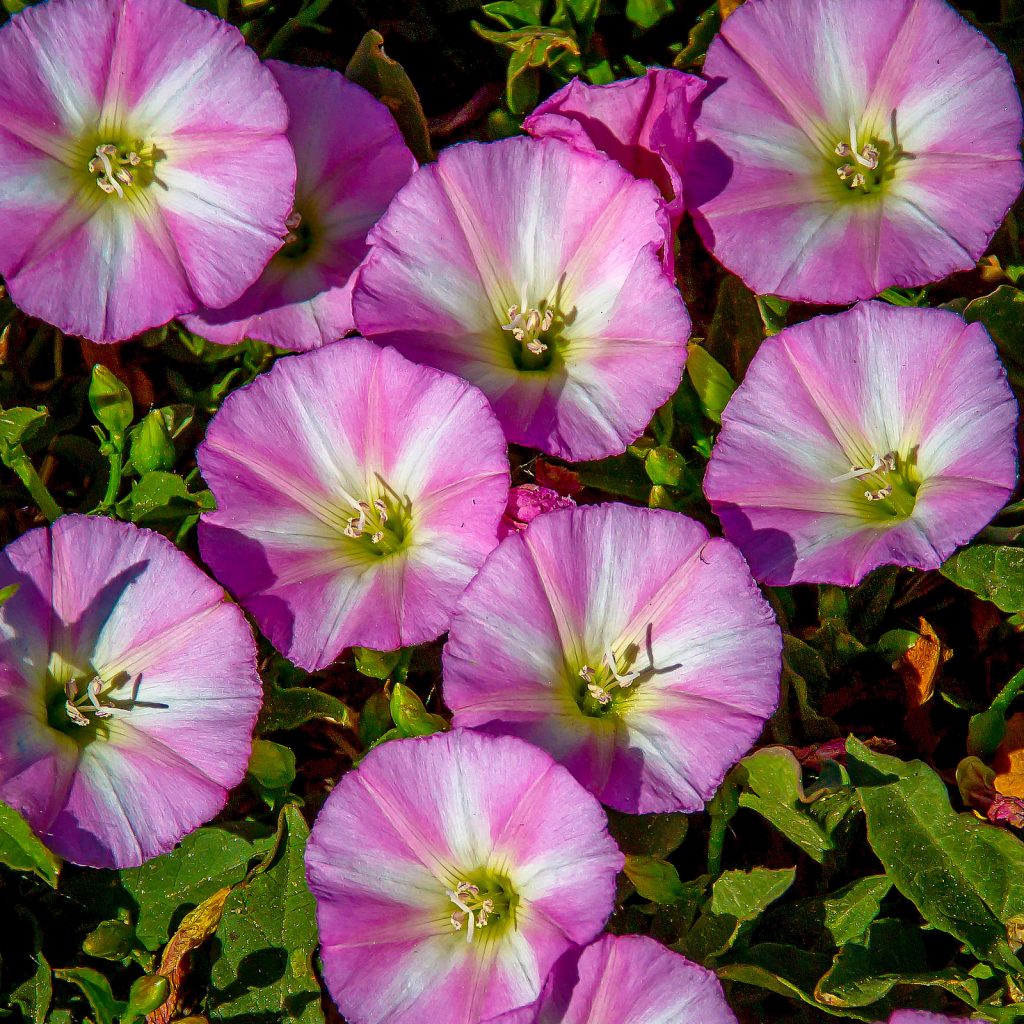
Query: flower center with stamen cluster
<point>378,525</point>
<point>299,239</point>
<point>485,902</point>
<point>117,169</point>
<point>78,699</point>
<point>866,162</point>
<point>888,486</point>
<point>534,331</point>
<point>607,682</point>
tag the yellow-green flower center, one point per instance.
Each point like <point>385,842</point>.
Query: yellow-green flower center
<point>865,161</point>
<point>533,333</point>
<point>379,526</point>
<point>121,168</point>
<point>481,899</point>
<point>885,488</point>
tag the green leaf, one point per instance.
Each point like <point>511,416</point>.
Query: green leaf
<point>701,34</point>
<point>33,995</point>
<point>110,940</point>
<point>962,875</point>
<point>288,707</point>
<point>621,474</point>
<point>263,969</point>
<point>646,14</point>
<point>773,313</point>
<point>160,497</point>
<point>96,990</point>
<point>736,330</point>
<point>746,895</point>
<point>111,401</point>
<point>20,425</point>
<point>711,380</point>
<point>21,850</point>
<point>392,665</point>
<point>850,911</point>
<point>164,889</point>
<point>271,766</point>
<point>656,835</point>
<point>993,572</point>
<point>773,786</point>
<point>411,718</point>
<point>375,719</point>
<point>1002,313</point>
<point>655,879</point>
<point>386,79</point>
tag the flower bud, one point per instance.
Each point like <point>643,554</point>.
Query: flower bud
<point>147,994</point>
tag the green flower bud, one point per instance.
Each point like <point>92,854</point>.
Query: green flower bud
<point>147,994</point>
<point>152,447</point>
<point>111,940</point>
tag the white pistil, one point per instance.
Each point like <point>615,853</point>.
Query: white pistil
<point>93,690</point>
<point>881,465</point>
<point>867,157</point>
<point>622,680</point>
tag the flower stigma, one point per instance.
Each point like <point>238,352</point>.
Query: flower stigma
<point>892,484</point>
<point>377,524</point>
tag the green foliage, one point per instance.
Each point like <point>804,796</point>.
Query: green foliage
<point>263,965</point>
<point>993,572</point>
<point>22,851</point>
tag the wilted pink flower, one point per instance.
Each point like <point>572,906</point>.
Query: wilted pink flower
<point>923,1017</point>
<point>1006,810</point>
<point>626,979</point>
<point>625,642</point>
<point>351,161</point>
<point>533,270</point>
<point>146,170</point>
<point>128,691</point>
<point>357,494</point>
<point>450,873</point>
<point>525,503</point>
<point>879,436</point>
<point>646,124</point>
<point>848,145</point>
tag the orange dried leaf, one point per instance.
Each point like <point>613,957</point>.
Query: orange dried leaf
<point>1009,758</point>
<point>919,667</point>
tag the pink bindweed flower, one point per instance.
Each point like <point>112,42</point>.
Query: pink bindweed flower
<point>450,873</point>
<point>357,494</point>
<point>525,503</point>
<point>351,161</point>
<point>626,979</point>
<point>128,691</point>
<point>146,169</point>
<point>845,146</point>
<point>646,124</point>
<point>625,642</point>
<point>879,436</point>
<point>533,270</point>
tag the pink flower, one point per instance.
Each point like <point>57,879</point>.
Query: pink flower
<point>626,979</point>
<point>351,161</point>
<point>533,270</point>
<point>128,691</point>
<point>848,145</point>
<point>879,436</point>
<point>146,170</point>
<point>342,517</point>
<point>525,503</point>
<point>625,642</point>
<point>646,124</point>
<point>450,873</point>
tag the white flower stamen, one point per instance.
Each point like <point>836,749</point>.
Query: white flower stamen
<point>473,910</point>
<point>528,323</point>
<point>111,168</point>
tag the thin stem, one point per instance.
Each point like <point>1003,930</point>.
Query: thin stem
<point>113,480</point>
<point>16,459</point>
<point>306,18</point>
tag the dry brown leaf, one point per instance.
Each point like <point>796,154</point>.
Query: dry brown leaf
<point>726,7</point>
<point>919,667</point>
<point>1009,758</point>
<point>195,928</point>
